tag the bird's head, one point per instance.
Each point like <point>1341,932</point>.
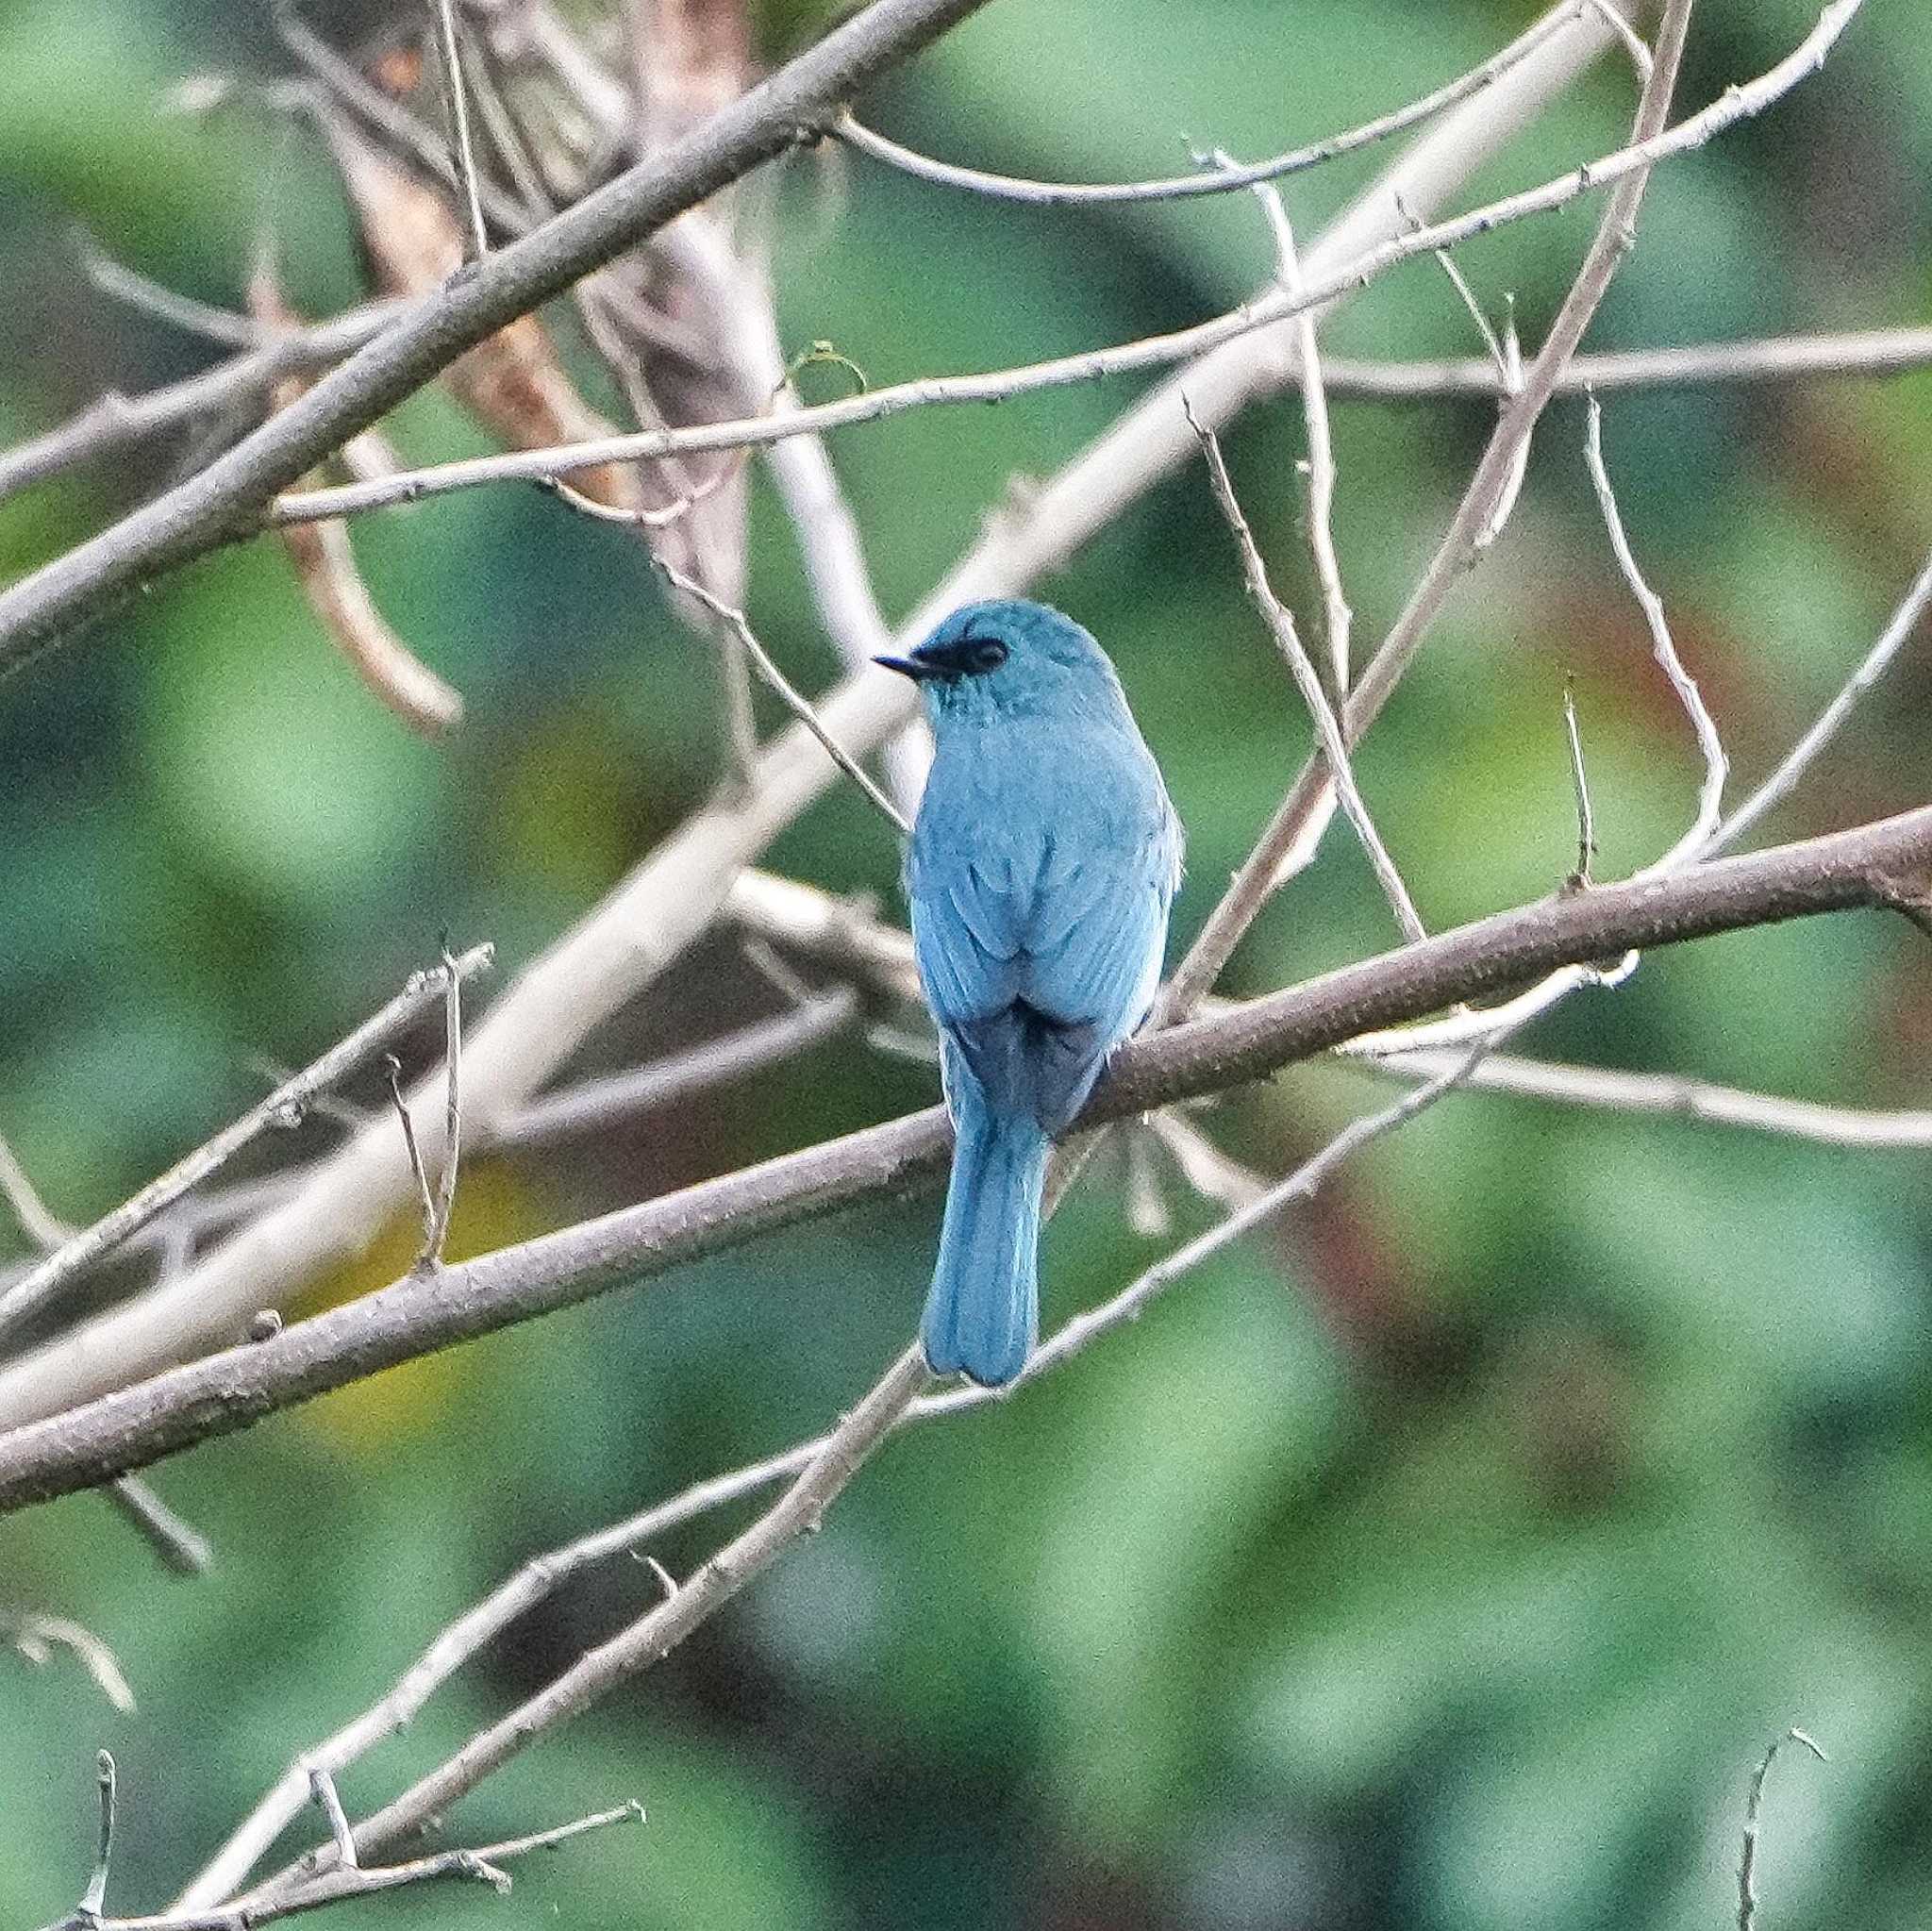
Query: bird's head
<point>1008,656</point>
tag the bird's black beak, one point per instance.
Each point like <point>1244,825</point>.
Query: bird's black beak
<point>907,667</point>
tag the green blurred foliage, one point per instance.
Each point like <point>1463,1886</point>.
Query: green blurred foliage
<point>1444,1557</point>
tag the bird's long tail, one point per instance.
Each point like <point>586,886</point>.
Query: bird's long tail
<point>984,1308</point>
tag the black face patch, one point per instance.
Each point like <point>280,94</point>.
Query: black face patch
<point>965,657</point>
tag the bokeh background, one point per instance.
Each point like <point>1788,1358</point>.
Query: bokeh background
<point>1445,1557</point>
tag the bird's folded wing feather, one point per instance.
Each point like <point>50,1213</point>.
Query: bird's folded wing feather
<point>1077,939</point>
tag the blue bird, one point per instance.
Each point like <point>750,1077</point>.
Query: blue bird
<point>1040,873</point>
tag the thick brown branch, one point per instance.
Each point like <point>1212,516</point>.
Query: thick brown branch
<point>1886,864</point>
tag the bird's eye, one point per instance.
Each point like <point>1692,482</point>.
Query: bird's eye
<point>984,654</point>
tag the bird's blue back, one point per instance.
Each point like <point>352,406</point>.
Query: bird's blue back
<point>1040,873</point>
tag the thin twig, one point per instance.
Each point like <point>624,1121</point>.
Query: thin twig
<point>34,1636</point>
<point>392,1072</point>
<point>1808,748</point>
<point>595,1104</point>
<point>845,934</point>
<point>44,1229</point>
<point>1181,187</point>
<point>1710,794</point>
<point>1579,782</point>
<point>1210,1172</point>
<point>1854,353</point>
<point>1470,1025</point>
<point>1505,352</point>
<point>1668,1095</point>
<point>321,1788</point>
<point>793,699</point>
<point>431,1256</point>
<point>460,125</point>
<point>114,422</point>
<point>1336,618</point>
<point>388,118</point>
<point>1307,679</point>
<point>41,1283</point>
<point>179,1544</point>
<point>142,293</point>
<point>1633,41</point>
<point>340,1881</point>
<point>1754,1810</point>
<point>94,1900</point>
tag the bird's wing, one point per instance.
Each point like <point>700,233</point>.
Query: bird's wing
<point>1098,931</point>
<point>969,926</point>
<point>1037,963</point>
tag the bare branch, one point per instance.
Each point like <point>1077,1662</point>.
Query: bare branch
<point>431,1256</point>
<point>1887,864</point>
<point>1290,836</point>
<point>1808,748</point>
<point>113,423</point>
<point>460,125</point>
<point>793,699</point>
<point>177,1543</point>
<point>596,1104</point>
<point>537,1579</point>
<point>1670,1095</point>
<point>452,1647</point>
<point>213,505</point>
<point>655,913</point>
<point>1180,186</point>
<point>341,1881</point>
<point>41,1283</point>
<point>652,1637</point>
<point>1754,1810</point>
<point>1308,682</point>
<point>1627,166</point>
<point>1710,794</point>
<point>44,1229</point>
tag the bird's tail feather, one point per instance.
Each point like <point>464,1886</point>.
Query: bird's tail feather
<point>983,1310</point>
